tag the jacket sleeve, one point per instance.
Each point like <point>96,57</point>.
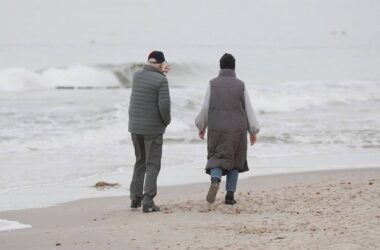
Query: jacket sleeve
<point>164,102</point>
<point>201,121</point>
<point>254,126</point>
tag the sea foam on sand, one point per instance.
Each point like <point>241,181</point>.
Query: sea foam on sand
<point>6,225</point>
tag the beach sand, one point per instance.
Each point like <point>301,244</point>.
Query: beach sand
<point>313,210</point>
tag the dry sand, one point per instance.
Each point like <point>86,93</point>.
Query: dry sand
<point>315,210</point>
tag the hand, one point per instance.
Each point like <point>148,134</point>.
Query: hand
<point>165,68</point>
<point>202,133</point>
<point>253,139</point>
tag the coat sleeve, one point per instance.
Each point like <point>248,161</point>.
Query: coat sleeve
<point>254,126</point>
<point>164,102</point>
<point>201,120</point>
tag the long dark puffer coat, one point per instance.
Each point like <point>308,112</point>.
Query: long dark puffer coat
<point>227,124</point>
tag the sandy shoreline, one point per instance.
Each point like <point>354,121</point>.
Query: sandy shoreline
<point>314,210</point>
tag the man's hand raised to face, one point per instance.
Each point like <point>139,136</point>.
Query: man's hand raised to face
<point>201,134</point>
<point>253,139</point>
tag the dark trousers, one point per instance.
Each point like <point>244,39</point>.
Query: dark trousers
<point>148,152</point>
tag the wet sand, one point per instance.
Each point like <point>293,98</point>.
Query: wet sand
<point>313,210</point>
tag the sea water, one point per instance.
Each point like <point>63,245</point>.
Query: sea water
<point>56,143</point>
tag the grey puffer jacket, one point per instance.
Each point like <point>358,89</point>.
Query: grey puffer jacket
<point>149,109</point>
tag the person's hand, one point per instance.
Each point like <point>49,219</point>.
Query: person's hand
<point>253,139</point>
<point>165,68</point>
<point>202,133</point>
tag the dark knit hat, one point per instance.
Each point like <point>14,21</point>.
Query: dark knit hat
<point>156,57</point>
<point>227,61</point>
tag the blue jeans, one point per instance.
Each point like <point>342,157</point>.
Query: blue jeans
<point>232,178</point>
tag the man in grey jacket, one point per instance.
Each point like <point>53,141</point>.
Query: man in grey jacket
<point>228,114</point>
<point>149,115</point>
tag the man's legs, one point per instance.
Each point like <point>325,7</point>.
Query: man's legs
<point>137,183</point>
<point>153,154</point>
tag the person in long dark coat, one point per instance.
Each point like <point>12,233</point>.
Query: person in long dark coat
<point>228,114</point>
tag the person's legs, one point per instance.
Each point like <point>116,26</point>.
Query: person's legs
<point>153,153</point>
<point>136,187</point>
<point>216,177</point>
<point>231,183</point>
<point>216,173</point>
<point>232,178</point>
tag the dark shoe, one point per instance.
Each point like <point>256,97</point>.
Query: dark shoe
<point>150,209</point>
<point>229,200</point>
<point>148,204</point>
<point>214,187</point>
<point>135,203</point>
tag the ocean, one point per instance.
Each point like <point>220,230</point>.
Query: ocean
<point>65,86</point>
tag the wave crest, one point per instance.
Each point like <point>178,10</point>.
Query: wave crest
<point>85,76</point>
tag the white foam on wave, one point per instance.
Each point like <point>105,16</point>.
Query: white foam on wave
<point>73,124</point>
<point>96,76</point>
<point>80,76</point>
<point>267,97</point>
<point>293,96</point>
<point>6,225</point>
<point>20,79</point>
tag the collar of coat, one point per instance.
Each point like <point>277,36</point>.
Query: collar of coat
<point>227,72</point>
<point>151,68</point>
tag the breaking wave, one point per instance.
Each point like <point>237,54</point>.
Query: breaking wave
<point>192,78</point>
<point>81,76</point>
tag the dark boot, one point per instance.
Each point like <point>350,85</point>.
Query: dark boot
<point>148,205</point>
<point>230,198</point>
<point>214,187</point>
<point>136,202</point>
